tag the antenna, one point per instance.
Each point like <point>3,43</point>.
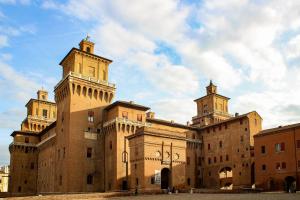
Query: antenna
<point>87,37</point>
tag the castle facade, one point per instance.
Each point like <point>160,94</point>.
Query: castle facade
<point>85,142</point>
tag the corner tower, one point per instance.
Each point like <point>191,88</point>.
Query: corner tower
<point>81,96</point>
<point>211,108</point>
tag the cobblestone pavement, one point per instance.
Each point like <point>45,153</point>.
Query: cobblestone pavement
<point>261,196</point>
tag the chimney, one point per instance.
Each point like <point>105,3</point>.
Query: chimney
<point>150,115</point>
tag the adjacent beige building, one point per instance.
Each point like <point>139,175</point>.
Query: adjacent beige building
<point>4,178</point>
<point>85,142</point>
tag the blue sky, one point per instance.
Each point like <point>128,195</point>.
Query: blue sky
<point>164,53</point>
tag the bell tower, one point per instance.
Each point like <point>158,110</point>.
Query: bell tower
<point>81,96</point>
<point>86,45</point>
<point>211,88</point>
<point>211,108</point>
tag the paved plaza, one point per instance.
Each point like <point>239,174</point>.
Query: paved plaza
<point>261,196</point>
<point>269,196</point>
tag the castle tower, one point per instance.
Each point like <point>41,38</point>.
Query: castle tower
<point>81,96</point>
<point>40,113</point>
<point>211,108</point>
<point>23,151</point>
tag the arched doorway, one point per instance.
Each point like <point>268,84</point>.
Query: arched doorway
<point>290,184</point>
<point>165,177</point>
<point>225,178</point>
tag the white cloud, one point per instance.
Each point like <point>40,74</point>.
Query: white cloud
<point>292,49</point>
<point>238,43</point>
<point>20,86</point>
<point>13,2</point>
<point>174,109</point>
<point>3,41</point>
<point>12,118</point>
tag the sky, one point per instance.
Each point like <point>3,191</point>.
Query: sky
<point>164,53</point>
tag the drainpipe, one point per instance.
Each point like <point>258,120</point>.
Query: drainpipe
<point>125,160</point>
<point>296,161</point>
<point>171,161</point>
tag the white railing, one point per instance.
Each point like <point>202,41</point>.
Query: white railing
<point>86,78</point>
<point>22,144</point>
<point>40,118</point>
<point>214,112</point>
<point>126,121</point>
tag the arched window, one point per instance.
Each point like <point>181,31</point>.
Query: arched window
<point>89,179</point>
<point>88,49</point>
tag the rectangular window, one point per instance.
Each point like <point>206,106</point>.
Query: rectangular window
<point>104,75</point>
<point>58,152</point>
<point>278,166</point>
<point>60,180</point>
<point>188,160</point>
<point>215,159</point>
<point>125,115</point>
<point>137,181</point>
<point>89,152</point>
<point>32,165</point>
<point>152,180</point>
<point>89,179</point>
<point>199,161</point>
<point>283,165</point>
<point>298,144</point>
<point>282,146</point>
<point>279,147</point>
<point>221,159</point>
<point>263,149</point>
<point>209,160</point>
<point>136,151</point>
<point>208,146</point>
<point>91,71</point>
<point>139,117</point>
<point>26,139</point>
<point>242,138</point>
<point>299,164</point>
<point>241,121</point>
<point>110,144</point>
<point>227,158</point>
<point>80,68</point>
<point>263,167</point>
<point>45,113</point>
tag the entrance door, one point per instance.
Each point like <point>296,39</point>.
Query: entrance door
<point>165,177</point>
<point>290,183</point>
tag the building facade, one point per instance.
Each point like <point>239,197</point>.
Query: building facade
<point>85,142</point>
<point>277,158</point>
<point>4,178</point>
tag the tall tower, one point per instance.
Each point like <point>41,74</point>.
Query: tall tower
<point>40,113</point>
<point>211,108</point>
<point>81,96</point>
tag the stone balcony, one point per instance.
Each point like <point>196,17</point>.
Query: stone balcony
<point>87,78</point>
<point>22,144</point>
<point>126,121</point>
<point>212,113</point>
<point>32,117</point>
